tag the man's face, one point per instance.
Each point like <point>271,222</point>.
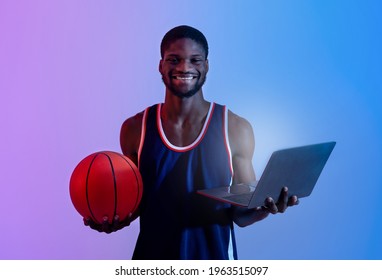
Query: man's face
<point>184,67</point>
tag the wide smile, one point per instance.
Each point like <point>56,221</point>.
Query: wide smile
<point>185,78</point>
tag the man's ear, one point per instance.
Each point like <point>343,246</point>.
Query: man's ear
<point>207,65</point>
<point>160,66</point>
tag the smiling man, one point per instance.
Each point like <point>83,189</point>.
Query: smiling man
<point>183,145</point>
<point>184,64</point>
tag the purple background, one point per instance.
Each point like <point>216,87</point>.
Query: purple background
<point>300,71</point>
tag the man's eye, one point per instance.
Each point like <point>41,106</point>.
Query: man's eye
<point>172,60</point>
<point>196,60</point>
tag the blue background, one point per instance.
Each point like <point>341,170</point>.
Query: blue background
<point>300,71</point>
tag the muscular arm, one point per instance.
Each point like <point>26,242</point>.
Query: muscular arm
<point>242,145</point>
<point>130,136</point>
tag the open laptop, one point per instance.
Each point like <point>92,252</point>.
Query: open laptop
<point>296,168</point>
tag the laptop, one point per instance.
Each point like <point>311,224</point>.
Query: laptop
<point>296,168</point>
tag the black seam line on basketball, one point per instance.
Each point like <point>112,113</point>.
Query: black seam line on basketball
<point>115,184</point>
<point>136,178</point>
<point>87,193</point>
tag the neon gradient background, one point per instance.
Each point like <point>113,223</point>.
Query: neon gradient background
<point>300,71</point>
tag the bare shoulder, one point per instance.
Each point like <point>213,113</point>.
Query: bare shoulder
<point>240,133</point>
<point>133,122</point>
<point>238,123</point>
<point>130,136</point>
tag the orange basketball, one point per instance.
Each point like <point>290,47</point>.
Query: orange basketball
<point>106,184</point>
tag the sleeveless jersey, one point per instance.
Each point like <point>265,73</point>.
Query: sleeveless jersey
<point>175,221</point>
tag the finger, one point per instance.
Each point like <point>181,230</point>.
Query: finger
<point>127,220</point>
<point>293,200</point>
<point>90,223</point>
<point>262,209</point>
<point>105,224</point>
<point>282,203</point>
<point>116,222</point>
<point>271,205</point>
<point>116,219</point>
<point>86,221</point>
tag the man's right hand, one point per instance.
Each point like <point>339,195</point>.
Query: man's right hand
<point>107,227</point>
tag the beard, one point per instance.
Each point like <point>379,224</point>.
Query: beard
<point>200,80</point>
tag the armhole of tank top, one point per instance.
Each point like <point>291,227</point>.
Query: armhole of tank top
<point>143,134</point>
<point>226,140</point>
<point>232,255</point>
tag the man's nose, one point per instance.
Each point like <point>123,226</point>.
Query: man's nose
<point>184,65</point>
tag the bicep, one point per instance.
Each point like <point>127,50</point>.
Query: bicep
<point>130,137</point>
<point>242,143</point>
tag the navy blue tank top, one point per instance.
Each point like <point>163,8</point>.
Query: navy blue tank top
<point>175,221</point>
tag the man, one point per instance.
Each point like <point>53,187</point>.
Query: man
<point>185,144</point>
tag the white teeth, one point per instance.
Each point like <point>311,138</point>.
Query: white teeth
<point>184,78</point>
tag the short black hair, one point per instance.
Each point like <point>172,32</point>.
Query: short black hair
<point>180,32</point>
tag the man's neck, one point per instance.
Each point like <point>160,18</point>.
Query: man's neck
<point>183,118</point>
<point>179,110</point>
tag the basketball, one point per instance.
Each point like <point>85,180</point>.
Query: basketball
<point>106,184</point>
